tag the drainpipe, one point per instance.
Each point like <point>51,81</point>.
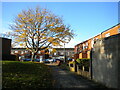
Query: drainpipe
<point>91,74</point>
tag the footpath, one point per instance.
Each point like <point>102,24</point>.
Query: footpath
<point>67,79</point>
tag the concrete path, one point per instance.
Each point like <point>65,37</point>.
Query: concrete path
<point>67,79</point>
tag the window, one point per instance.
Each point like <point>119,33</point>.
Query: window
<point>12,52</point>
<point>22,52</point>
<point>119,30</point>
<point>68,53</point>
<point>54,53</point>
<point>107,35</point>
<point>16,51</point>
<point>76,49</point>
<point>86,43</point>
<point>62,53</point>
<point>58,53</point>
<point>96,38</point>
<point>83,46</point>
<point>26,51</point>
<point>39,52</point>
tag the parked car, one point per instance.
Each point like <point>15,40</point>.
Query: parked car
<point>46,60</point>
<point>50,60</point>
<point>70,59</point>
<point>37,60</point>
<point>26,59</point>
<point>59,60</point>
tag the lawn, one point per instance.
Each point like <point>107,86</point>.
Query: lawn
<point>17,74</point>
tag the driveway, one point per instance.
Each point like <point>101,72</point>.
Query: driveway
<point>67,79</point>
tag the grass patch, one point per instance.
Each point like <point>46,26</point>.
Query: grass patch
<point>17,74</point>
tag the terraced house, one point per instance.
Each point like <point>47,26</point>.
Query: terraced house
<point>68,52</point>
<point>82,50</point>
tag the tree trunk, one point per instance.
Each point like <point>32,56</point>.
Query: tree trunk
<point>33,56</point>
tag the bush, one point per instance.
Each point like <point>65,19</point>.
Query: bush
<point>83,62</point>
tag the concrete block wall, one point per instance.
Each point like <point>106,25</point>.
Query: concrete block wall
<point>118,46</point>
<point>106,61</point>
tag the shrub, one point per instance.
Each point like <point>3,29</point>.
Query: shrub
<point>83,62</point>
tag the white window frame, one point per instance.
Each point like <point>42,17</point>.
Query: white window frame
<point>26,51</point>
<point>16,51</point>
<point>12,52</point>
<point>107,35</point>
<point>22,52</point>
<point>39,52</point>
<point>62,53</point>
<point>55,53</point>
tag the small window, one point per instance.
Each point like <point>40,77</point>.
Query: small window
<point>39,52</point>
<point>16,51</point>
<point>119,30</point>
<point>55,53</point>
<point>62,53</point>
<point>26,51</point>
<point>83,46</point>
<point>107,35</point>
<point>86,43</point>
<point>68,53</point>
<point>12,52</point>
<point>22,52</point>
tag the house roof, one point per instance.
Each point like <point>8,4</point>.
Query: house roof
<point>54,48</point>
<point>98,34</point>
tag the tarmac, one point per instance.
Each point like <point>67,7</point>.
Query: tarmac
<point>66,79</point>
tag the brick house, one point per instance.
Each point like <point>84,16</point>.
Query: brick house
<point>25,53</point>
<point>82,50</point>
<point>64,52</point>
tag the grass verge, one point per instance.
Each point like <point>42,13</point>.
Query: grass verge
<point>17,74</point>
